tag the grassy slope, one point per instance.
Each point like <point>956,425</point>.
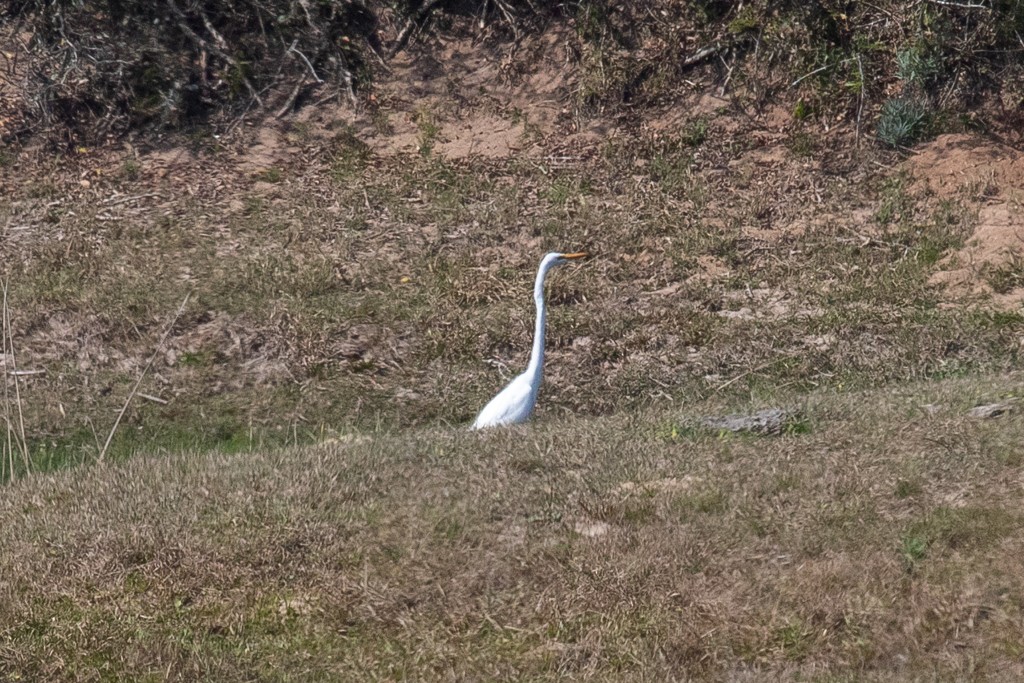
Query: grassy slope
<point>349,292</point>
<point>379,302</point>
<point>883,542</point>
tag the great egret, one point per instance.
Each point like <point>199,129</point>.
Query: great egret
<point>515,402</point>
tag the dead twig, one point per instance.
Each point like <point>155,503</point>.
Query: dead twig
<point>114,201</point>
<point>860,97</point>
<point>962,5</point>
<point>410,26</point>
<point>701,55</point>
<point>760,367</point>
<point>290,101</point>
<point>728,75</point>
<point>819,70</point>
<point>312,71</point>
<point>132,393</point>
<point>221,48</point>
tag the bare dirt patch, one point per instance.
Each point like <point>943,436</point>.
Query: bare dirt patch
<point>464,101</point>
<point>990,176</point>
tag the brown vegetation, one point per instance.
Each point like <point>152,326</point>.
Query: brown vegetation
<point>357,286</point>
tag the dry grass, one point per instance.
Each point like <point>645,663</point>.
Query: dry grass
<point>373,303</point>
<point>364,292</point>
<point>883,544</point>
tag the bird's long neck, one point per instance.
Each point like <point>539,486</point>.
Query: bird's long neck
<point>536,365</point>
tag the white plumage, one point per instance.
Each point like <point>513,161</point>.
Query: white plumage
<point>515,402</point>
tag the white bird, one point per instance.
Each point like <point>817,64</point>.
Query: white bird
<point>514,403</point>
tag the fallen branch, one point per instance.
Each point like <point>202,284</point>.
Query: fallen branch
<point>306,60</point>
<point>963,5</point>
<point>290,102</point>
<point>701,55</point>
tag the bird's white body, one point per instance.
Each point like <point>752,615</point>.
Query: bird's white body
<point>514,403</point>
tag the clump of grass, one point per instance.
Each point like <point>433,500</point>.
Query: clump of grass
<point>895,203</point>
<point>351,155</point>
<point>802,144</point>
<point>130,170</point>
<point>709,502</point>
<point>1007,277</point>
<point>955,529</point>
<point>696,132</point>
<point>913,548</point>
<point>671,170</point>
<point>794,640</point>
<point>429,128</point>
<point>566,191</point>
<point>271,175</point>
<point>916,67</point>
<point>902,122</point>
<point>907,489</point>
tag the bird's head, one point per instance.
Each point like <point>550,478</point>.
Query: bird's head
<point>556,259</point>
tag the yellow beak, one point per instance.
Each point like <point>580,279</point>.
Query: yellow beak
<point>578,254</point>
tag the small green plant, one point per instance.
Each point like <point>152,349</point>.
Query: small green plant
<point>673,431</point>
<point>381,122</point>
<point>915,68</point>
<point>802,110</point>
<point>913,548</point>
<point>429,129</point>
<point>793,640</point>
<point>253,206</point>
<point>907,489</point>
<point>746,20</point>
<point>903,122</point>
<point>351,155</point>
<point>129,170</point>
<point>797,426</point>
<point>896,203</point>
<point>696,132</point>
<point>195,359</point>
<point>271,175</point>
<point>565,191</point>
